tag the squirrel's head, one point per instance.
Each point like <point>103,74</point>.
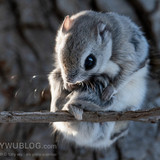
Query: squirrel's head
<point>83,46</point>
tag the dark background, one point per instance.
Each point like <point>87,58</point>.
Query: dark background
<point>27,32</point>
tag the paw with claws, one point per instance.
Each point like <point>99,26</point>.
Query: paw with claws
<point>108,93</point>
<point>75,110</point>
<point>70,87</point>
<point>109,90</point>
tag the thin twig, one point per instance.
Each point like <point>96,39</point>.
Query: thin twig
<point>152,115</point>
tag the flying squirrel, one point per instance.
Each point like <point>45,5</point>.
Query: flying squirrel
<point>101,65</point>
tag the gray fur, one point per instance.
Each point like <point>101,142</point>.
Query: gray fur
<point>85,97</point>
<point>120,49</point>
<point>125,38</point>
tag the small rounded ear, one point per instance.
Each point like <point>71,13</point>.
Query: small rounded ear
<point>67,24</point>
<point>103,32</point>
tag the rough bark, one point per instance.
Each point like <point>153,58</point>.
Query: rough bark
<point>152,115</point>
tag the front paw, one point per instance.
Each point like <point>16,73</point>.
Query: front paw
<point>108,93</point>
<point>75,110</point>
<point>70,87</point>
<point>102,79</point>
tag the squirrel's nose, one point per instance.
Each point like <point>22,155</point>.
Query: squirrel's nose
<point>71,78</point>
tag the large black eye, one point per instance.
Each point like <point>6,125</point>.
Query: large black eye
<point>90,62</point>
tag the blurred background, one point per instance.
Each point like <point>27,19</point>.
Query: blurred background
<point>27,32</point>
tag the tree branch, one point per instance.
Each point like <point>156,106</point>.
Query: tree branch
<point>152,115</point>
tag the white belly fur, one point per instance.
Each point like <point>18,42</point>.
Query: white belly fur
<point>132,94</point>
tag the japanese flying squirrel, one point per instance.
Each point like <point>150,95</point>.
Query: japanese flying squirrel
<point>101,65</point>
